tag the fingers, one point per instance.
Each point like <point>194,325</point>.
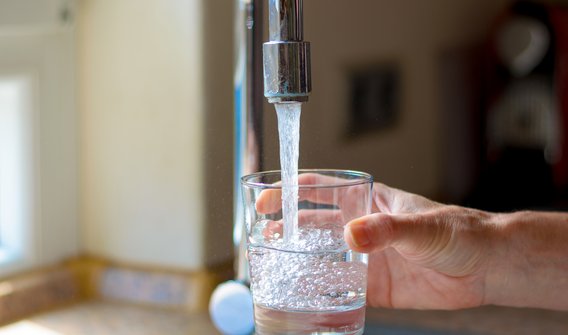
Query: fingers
<point>392,200</point>
<point>369,233</point>
<point>273,230</point>
<point>412,234</point>
<point>386,199</point>
<point>320,218</point>
<point>270,200</point>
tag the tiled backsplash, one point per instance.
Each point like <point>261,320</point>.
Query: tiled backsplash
<point>89,278</point>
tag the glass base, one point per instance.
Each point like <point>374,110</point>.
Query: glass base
<point>270,321</point>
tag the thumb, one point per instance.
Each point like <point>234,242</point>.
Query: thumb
<point>408,233</point>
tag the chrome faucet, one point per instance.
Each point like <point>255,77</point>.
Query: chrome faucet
<point>286,78</point>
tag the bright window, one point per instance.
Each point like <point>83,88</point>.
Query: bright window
<point>16,169</point>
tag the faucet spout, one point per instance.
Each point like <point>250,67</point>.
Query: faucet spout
<point>287,70</point>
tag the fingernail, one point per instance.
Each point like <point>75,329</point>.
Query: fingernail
<point>359,234</point>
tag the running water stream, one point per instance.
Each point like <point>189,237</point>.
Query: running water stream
<point>289,135</point>
<point>305,281</point>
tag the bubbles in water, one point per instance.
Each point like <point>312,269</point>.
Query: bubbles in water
<point>310,268</point>
<point>307,273</point>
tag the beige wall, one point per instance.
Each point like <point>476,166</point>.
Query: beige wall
<point>142,146</point>
<point>413,34</point>
<point>157,128</point>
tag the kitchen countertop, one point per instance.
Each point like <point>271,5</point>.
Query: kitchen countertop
<point>102,318</point>
<point>489,320</point>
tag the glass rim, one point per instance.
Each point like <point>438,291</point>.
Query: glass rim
<point>316,252</point>
<point>364,178</point>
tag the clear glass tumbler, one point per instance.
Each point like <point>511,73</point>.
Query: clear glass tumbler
<point>309,282</point>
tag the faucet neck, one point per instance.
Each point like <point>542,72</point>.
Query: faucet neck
<point>286,19</point>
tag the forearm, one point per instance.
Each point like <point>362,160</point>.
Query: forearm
<point>529,261</point>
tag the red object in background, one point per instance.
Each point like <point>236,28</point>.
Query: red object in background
<point>559,21</point>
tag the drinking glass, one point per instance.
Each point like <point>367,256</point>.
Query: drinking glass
<point>309,281</point>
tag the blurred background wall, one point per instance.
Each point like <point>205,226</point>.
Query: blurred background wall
<point>407,36</point>
<point>156,113</point>
<point>409,91</point>
<point>141,113</point>
<point>142,172</point>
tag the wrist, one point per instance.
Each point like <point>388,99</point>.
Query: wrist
<point>528,266</point>
<point>500,276</point>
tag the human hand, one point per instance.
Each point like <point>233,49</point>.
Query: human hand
<point>426,255</point>
<point>423,254</point>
